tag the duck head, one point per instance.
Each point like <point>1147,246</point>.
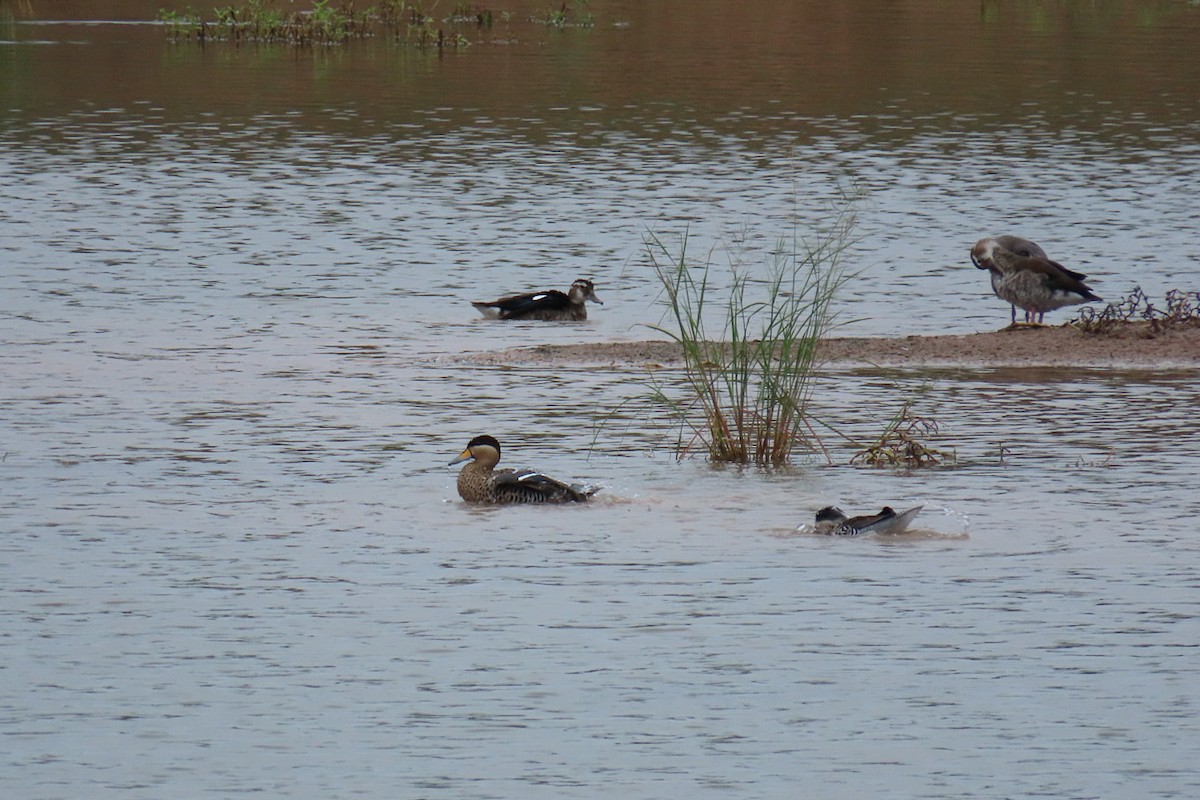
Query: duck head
<point>583,290</point>
<point>485,450</point>
<point>981,253</point>
<point>831,514</point>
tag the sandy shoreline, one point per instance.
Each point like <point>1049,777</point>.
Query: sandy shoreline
<point>1132,346</point>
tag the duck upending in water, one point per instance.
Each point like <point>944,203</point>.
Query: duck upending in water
<point>1027,279</point>
<point>548,305</point>
<point>481,482</point>
<point>832,522</point>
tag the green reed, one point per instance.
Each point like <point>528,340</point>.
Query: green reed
<point>751,378</point>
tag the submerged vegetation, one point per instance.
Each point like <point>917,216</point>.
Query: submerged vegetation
<point>328,22</point>
<point>1180,308</point>
<point>750,378</point>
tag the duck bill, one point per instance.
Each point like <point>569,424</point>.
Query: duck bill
<point>465,455</point>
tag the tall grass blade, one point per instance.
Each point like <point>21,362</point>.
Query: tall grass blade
<point>750,385</point>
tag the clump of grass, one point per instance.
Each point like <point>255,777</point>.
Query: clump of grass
<point>750,384</point>
<point>179,24</point>
<point>576,16</point>
<point>901,445</point>
<point>467,13</point>
<point>326,22</point>
<point>260,21</point>
<point>413,25</point>
<point>1181,308</point>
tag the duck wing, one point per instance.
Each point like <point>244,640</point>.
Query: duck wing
<point>886,521</point>
<point>1070,273</point>
<point>1055,276</point>
<point>520,305</point>
<point>866,523</point>
<point>528,486</point>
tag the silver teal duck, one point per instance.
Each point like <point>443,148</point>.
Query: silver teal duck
<point>551,305</point>
<point>1027,279</point>
<point>480,481</point>
<point>832,522</point>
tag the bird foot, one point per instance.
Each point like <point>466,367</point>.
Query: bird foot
<point>1024,326</point>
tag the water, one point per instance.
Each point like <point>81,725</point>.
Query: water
<point>234,283</point>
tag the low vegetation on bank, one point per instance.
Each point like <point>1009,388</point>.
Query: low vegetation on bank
<point>336,22</point>
<point>1179,309</point>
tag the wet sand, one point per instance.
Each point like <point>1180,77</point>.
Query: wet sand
<point>1132,345</point>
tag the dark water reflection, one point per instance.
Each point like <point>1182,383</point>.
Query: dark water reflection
<point>233,560</point>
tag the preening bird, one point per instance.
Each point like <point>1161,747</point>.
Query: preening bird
<point>1027,278</point>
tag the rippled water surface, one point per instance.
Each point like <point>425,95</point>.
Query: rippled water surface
<point>233,291</point>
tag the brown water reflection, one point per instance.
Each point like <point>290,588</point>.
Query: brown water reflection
<point>1007,63</point>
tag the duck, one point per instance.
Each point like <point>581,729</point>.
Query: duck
<point>480,481</point>
<point>831,521</point>
<point>1022,247</point>
<point>1027,278</point>
<point>551,305</point>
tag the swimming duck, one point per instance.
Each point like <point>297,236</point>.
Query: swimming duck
<point>832,522</point>
<point>1032,282</point>
<point>481,482</point>
<point>548,305</point>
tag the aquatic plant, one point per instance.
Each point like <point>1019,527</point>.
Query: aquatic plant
<point>901,445</point>
<point>577,16</point>
<point>750,384</point>
<point>412,24</point>
<point>260,21</point>
<point>467,13</point>
<point>326,22</point>
<point>1095,463</point>
<point>179,24</point>
<point>1181,308</point>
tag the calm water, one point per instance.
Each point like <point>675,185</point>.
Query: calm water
<point>232,282</point>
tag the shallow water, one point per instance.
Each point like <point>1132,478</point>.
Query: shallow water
<point>234,560</point>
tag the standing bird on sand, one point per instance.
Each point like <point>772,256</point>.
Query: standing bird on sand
<point>1027,279</point>
<point>1022,247</point>
<point>481,482</point>
<point>549,305</point>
